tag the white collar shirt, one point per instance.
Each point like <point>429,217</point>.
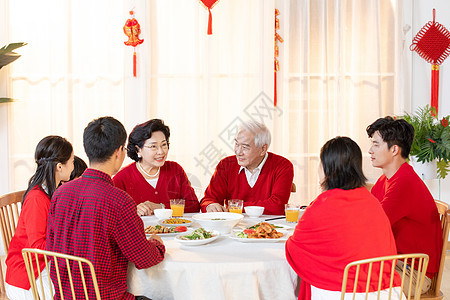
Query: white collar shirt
<point>253,177</point>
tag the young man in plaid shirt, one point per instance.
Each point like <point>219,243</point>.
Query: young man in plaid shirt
<point>91,218</point>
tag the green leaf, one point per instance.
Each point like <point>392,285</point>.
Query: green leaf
<point>6,54</point>
<point>5,100</point>
<point>11,47</point>
<point>442,168</point>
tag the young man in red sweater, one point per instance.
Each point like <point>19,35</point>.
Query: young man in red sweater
<point>254,175</point>
<point>405,198</point>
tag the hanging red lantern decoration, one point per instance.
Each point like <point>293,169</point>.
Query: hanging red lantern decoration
<point>432,43</point>
<point>209,4</point>
<point>132,29</point>
<point>278,38</point>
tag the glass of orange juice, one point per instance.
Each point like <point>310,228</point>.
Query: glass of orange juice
<point>235,206</point>
<point>177,206</point>
<point>292,212</point>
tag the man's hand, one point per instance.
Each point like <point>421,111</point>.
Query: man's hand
<point>215,207</point>
<point>146,208</point>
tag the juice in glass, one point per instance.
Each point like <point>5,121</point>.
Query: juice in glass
<point>292,212</point>
<point>235,206</point>
<point>177,206</point>
<point>235,210</point>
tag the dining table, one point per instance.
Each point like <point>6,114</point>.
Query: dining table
<point>226,268</point>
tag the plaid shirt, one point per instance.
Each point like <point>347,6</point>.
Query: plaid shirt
<point>91,218</point>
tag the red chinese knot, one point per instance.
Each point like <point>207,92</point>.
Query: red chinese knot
<point>432,43</point>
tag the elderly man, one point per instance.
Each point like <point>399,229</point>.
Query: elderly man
<point>254,175</point>
<point>405,198</point>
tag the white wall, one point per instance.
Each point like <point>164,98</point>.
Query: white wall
<point>422,12</point>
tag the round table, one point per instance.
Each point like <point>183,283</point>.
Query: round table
<point>222,269</point>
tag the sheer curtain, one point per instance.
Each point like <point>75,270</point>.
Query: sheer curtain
<point>339,71</point>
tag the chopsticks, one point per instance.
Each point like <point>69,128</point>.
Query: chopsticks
<point>277,218</point>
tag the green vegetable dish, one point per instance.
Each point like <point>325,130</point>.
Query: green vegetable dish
<point>198,234</point>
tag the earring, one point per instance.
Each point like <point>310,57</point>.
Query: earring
<point>139,156</point>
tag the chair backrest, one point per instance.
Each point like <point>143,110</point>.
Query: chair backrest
<point>293,188</point>
<point>9,214</point>
<point>444,214</point>
<point>419,260</point>
<point>76,267</point>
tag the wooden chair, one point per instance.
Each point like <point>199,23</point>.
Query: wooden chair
<point>75,266</point>
<point>419,259</point>
<point>293,188</point>
<point>9,214</point>
<point>435,293</point>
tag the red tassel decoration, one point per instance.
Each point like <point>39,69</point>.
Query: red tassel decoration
<point>134,63</point>
<point>132,29</point>
<point>209,22</point>
<point>209,4</point>
<point>435,87</point>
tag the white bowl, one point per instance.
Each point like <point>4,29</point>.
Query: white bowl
<point>163,213</point>
<point>254,211</point>
<point>222,222</point>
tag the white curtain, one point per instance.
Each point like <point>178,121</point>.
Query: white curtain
<point>339,70</point>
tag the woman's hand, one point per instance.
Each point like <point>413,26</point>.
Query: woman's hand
<point>146,208</point>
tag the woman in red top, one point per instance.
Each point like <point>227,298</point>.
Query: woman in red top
<point>343,224</point>
<point>152,181</point>
<point>54,158</point>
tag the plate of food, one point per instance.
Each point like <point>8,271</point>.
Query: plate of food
<point>173,222</point>
<point>197,237</point>
<point>264,233</point>
<point>163,230</point>
<point>275,226</point>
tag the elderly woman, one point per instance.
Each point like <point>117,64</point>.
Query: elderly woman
<point>343,224</point>
<point>152,181</point>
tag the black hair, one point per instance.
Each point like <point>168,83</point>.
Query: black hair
<point>143,132</point>
<point>341,160</point>
<point>78,168</point>
<point>102,137</point>
<point>394,132</point>
<point>50,151</point>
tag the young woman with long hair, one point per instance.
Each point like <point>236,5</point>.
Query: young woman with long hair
<point>54,158</point>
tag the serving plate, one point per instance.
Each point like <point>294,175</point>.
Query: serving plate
<point>187,224</point>
<point>248,240</point>
<point>215,236</point>
<point>164,234</point>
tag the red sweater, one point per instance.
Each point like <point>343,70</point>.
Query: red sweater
<point>413,214</point>
<point>340,226</point>
<point>30,233</point>
<point>271,190</point>
<point>172,184</point>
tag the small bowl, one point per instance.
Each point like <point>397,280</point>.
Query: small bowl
<point>163,213</point>
<point>222,222</point>
<point>254,211</point>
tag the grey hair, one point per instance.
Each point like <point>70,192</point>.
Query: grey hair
<point>261,132</point>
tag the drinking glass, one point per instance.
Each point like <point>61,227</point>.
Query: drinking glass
<point>177,206</point>
<point>292,212</point>
<point>235,206</point>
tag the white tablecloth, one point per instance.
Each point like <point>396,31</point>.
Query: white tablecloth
<point>223,269</point>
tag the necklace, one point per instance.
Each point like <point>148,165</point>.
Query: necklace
<point>149,175</point>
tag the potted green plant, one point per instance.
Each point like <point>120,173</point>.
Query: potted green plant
<point>7,56</point>
<point>431,138</point>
